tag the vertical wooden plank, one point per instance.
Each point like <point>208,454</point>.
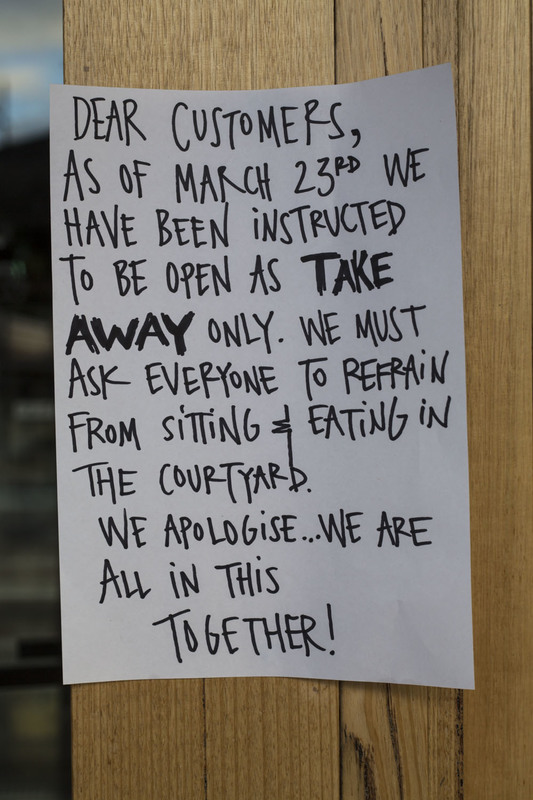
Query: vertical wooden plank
<point>138,740</point>
<point>489,48</point>
<point>384,742</point>
<point>377,37</point>
<point>397,742</point>
<point>440,44</point>
<point>160,44</point>
<point>440,39</point>
<point>386,731</point>
<point>495,158</point>
<point>446,745</point>
<point>238,738</point>
<point>272,738</point>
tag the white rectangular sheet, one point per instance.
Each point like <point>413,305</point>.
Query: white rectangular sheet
<point>260,383</point>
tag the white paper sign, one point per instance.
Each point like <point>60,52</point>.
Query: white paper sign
<point>262,459</point>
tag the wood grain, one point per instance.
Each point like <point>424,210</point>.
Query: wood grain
<point>226,738</point>
<point>138,740</point>
<point>380,37</point>
<point>477,744</point>
<point>279,738</point>
<point>237,44</point>
<point>386,730</point>
<point>495,166</point>
<point>272,738</point>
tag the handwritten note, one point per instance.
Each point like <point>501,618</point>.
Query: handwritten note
<point>260,389</point>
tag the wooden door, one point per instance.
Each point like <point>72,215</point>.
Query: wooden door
<point>248,739</point>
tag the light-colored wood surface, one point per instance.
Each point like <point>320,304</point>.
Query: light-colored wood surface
<point>201,44</point>
<point>475,746</point>
<point>222,739</point>
<point>495,108</point>
<point>273,738</point>
<point>136,740</point>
